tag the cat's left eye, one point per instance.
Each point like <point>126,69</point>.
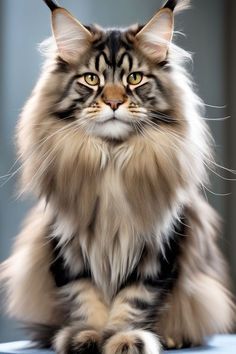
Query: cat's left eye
<point>91,79</point>
<point>135,78</point>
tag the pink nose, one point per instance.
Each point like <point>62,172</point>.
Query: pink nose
<point>114,103</point>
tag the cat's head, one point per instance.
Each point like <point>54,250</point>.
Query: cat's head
<point>119,81</point>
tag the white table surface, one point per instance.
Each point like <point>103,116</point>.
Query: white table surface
<point>223,344</point>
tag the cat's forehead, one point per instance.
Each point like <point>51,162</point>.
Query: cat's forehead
<point>115,47</point>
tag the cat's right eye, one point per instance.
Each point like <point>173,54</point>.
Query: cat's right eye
<point>135,78</point>
<point>91,79</point>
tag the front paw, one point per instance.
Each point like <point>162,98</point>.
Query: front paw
<point>132,342</point>
<point>72,341</point>
<point>170,343</point>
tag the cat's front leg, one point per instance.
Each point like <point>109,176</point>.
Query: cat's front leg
<point>131,325</point>
<point>87,317</point>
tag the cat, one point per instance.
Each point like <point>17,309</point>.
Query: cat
<point>120,253</point>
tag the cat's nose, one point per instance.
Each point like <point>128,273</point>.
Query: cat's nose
<point>114,95</point>
<point>113,103</point>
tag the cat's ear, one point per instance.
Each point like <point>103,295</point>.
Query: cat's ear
<point>72,38</point>
<point>155,37</point>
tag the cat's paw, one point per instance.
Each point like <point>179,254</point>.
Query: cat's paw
<point>170,343</point>
<point>132,342</point>
<point>70,341</point>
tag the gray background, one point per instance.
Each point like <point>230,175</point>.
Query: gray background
<point>210,28</point>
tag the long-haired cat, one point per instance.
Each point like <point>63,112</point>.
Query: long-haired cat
<point>120,254</point>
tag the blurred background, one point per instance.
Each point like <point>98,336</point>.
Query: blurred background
<point>210,28</point>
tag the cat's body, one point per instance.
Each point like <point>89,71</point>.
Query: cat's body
<point>122,246</point>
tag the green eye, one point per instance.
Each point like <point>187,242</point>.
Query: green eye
<point>135,78</point>
<point>91,79</point>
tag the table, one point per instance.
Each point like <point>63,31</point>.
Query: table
<point>222,344</point>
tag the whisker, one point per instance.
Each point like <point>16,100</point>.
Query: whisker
<point>160,115</point>
<point>45,165</point>
<point>38,146</point>
<point>203,157</point>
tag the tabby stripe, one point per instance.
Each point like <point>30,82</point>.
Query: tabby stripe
<point>59,270</point>
<point>122,73</point>
<point>61,66</point>
<point>158,83</point>
<point>126,45</point>
<point>97,60</point>
<point>147,311</point>
<point>67,114</point>
<point>99,91</point>
<point>130,60</point>
<point>114,44</point>
<point>139,344</point>
<point>168,262</point>
<point>68,87</point>
<point>140,304</point>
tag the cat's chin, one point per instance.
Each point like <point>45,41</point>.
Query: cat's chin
<point>112,129</point>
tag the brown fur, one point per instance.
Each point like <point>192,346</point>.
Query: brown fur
<point>200,301</point>
<point>112,203</point>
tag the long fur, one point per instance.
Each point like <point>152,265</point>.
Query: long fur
<point>122,244</point>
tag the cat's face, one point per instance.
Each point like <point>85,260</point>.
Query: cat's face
<point>117,90</point>
<point>117,80</point>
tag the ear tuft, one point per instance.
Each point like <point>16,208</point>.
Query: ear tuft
<point>154,38</point>
<point>177,5</point>
<point>72,38</point>
<point>51,4</point>
<point>171,4</point>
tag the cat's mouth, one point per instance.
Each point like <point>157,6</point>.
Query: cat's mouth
<point>112,126</point>
<point>113,119</point>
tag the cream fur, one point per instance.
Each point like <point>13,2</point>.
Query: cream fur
<point>105,200</point>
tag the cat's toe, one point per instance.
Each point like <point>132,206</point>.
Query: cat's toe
<point>170,343</point>
<point>81,342</point>
<point>132,342</point>
<point>85,342</point>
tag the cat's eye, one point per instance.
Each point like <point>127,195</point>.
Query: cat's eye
<point>135,78</point>
<point>91,79</point>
